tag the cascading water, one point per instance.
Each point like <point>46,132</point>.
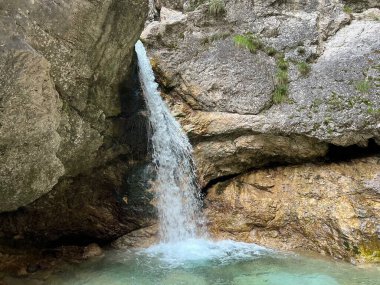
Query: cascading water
<point>177,192</point>
<point>182,232</point>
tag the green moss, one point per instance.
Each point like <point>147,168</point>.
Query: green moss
<point>303,68</point>
<point>370,250</point>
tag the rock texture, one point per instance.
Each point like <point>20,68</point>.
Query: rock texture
<point>329,208</point>
<point>73,132</point>
<point>62,66</point>
<point>224,94</point>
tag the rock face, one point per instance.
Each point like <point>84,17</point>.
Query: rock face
<point>227,97</point>
<point>264,83</point>
<point>72,122</point>
<point>332,209</point>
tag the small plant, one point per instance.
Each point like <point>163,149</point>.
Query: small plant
<point>363,86</point>
<point>303,68</point>
<point>271,51</point>
<point>282,77</point>
<point>280,94</point>
<point>248,41</point>
<point>347,9</point>
<point>216,7</point>
<point>282,63</point>
<point>301,50</point>
<point>194,4</point>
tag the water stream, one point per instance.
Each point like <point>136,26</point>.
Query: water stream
<point>175,185</point>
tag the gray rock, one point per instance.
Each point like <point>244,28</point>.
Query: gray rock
<point>222,93</point>
<point>29,116</point>
<point>62,66</point>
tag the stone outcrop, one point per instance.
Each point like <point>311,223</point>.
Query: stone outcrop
<point>329,208</point>
<point>73,125</point>
<point>227,96</point>
<point>224,95</point>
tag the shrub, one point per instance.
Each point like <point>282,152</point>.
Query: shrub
<point>216,7</point>
<point>303,68</point>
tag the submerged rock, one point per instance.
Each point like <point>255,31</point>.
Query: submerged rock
<point>329,208</point>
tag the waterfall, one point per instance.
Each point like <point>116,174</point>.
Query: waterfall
<point>178,200</point>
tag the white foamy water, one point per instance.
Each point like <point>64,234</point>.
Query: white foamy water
<point>196,251</point>
<point>175,185</point>
<point>182,234</point>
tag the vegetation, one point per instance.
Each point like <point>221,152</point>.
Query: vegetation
<point>347,9</point>
<point>271,51</point>
<point>195,3</point>
<point>280,94</point>
<point>215,37</point>
<point>303,68</point>
<point>363,86</point>
<point>282,63</point>
<point>249,41</point>
<point>282,77</point>
<point>216,7</point>
<point>301,50</point>
<point>254,44</point>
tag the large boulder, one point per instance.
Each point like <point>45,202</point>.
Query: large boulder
<point>329,208</point>
<point>227,97</point>
<point>70,112</point>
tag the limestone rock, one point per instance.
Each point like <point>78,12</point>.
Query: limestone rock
<point>73,127</point>
<point>223,94</point>
<point>62,67</point>
<point>29,116</point>
<point>328,208</point>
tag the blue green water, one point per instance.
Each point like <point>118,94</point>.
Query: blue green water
<point>203,262</point>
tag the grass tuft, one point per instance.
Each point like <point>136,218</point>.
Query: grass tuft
<point>216,7</point>
<point>347,9</point>
<point>363,86</point>
<point>303,68</point>
<point>249,41</point>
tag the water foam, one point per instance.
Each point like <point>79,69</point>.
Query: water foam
<point>197,251</point>
<point>175,184</point>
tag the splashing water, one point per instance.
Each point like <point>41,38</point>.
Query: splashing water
<point>175,185</point>
<point>182,231</point>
